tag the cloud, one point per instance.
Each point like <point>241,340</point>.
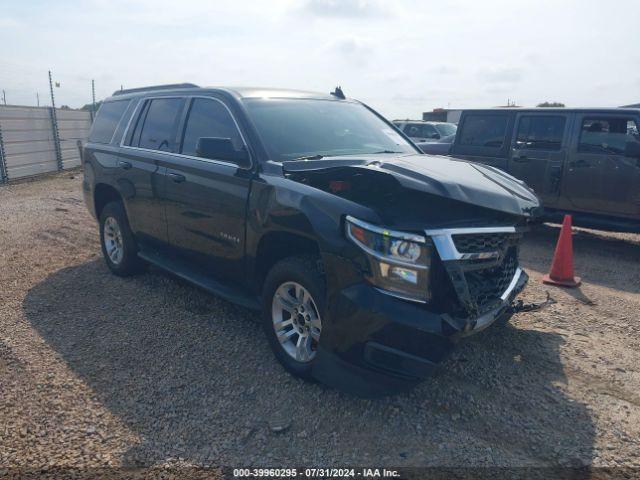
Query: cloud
<point>354,51</point>
<point>8,22</point>
<point>444,70</point>
<point>351,47</point>
<point>344,8</point>
<point>498,89</point>
<point>501,75</point>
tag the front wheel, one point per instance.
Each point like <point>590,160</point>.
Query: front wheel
<point>118,244</point>
<point>293,309</point>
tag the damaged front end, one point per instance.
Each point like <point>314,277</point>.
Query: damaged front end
<point>468,219</point>
<point>482,266</point>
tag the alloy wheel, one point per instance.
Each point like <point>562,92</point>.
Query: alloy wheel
<point>296,321</point>
<point>113,240</point>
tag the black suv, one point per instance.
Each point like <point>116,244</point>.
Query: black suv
<point>366,258</point>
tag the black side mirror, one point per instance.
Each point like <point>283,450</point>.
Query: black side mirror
<point>435,136</point>
<point>632,149</point>
<point>215,148</point>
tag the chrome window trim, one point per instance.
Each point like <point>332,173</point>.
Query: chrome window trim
<point>443,241</point>
<point>207,160</point>
<point>119,121</point>
<point>188,98</point>
<point>133,115</point>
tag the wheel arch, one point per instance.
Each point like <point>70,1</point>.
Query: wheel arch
<point>104,194</point>
<point>275,246</point>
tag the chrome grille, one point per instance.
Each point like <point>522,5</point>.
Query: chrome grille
<point>481,263</point>
<point>487,285</point>
<point>482,242</point>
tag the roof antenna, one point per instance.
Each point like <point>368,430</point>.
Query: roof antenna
<point>338,93</point>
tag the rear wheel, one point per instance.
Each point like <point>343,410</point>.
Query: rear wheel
<point>293,309</point>
<point>118,244</point>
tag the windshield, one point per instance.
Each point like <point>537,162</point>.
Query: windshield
<point>295,128</point>
<point>446,129</point>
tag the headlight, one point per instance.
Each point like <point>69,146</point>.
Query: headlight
<point>399,262</point>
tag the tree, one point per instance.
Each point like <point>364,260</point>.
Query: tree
<point>551,104</point>
<point>89,106</point>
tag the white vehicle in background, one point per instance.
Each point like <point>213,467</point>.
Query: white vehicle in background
<point>420,131</point>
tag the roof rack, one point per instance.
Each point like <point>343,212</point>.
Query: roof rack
<point>155,87</point>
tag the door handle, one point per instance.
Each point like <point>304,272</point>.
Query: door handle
<point>124,165</point>
<point>176,177</point>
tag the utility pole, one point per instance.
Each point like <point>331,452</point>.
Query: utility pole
<point>38,98</point>
<point>4,97</point>
<point>54,124</point>
<point>93,99</point>
<point>53,102</point>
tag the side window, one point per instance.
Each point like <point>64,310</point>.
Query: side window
<point>607,135</point>
<point>429,131</point>
<point>411,130</point>
<point>540,132</point>
<point>107,120</point>
<point>133,135</point>
<point>158,130</point>
<point>420,130</point>
<point>484,130</point>
<point>208,118</point>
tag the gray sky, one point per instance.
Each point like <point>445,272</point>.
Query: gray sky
<point>401,57</point>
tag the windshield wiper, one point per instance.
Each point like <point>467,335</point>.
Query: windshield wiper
<point>310,157</point>
<point>320,156</point>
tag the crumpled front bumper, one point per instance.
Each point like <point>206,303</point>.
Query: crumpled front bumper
<point>506,299</point>
<point>376,339</point>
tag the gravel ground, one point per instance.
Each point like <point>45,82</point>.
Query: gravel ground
<point>96,370</point>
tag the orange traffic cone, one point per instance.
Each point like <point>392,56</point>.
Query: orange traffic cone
<point>562,266</point>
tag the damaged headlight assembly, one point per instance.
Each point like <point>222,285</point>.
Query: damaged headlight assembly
<point>399,262</point>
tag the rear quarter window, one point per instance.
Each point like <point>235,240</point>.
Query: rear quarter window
<point>107,119</point>
<point>480,130</point>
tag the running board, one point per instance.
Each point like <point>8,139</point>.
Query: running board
<point>182,270</point>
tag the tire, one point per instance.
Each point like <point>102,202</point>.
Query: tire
<point>302,271</point>
<point>115,232</point>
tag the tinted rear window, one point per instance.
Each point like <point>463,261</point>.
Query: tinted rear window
<point>540,132</point>
<point>107,120</point>
<point>607,135</point>
<point>484,130</point>
<point>159,130</point>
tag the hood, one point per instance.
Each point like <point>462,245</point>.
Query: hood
<point>451,178</point>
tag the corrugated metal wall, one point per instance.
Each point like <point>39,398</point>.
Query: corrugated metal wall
<point>73,125</point>
<point>28,139</point>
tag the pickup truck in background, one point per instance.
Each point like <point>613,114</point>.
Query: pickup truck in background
<point>580,161</point>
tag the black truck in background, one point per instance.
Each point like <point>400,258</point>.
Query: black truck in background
<point>580,161</point>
